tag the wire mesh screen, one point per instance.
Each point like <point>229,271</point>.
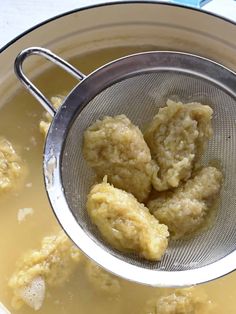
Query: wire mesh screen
<point>139,98</point>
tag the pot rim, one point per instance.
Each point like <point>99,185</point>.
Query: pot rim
<point>119,2</point>
<point>109,3</point>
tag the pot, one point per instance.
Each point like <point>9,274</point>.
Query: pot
<point>116,29</point>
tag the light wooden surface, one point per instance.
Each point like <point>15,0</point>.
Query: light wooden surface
<point>16,16</point>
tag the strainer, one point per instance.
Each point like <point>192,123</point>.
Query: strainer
<point>136,86</point>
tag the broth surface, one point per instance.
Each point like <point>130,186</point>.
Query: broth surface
<point>19,123</point>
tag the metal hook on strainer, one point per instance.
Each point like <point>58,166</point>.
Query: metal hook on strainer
<point>131,86</point>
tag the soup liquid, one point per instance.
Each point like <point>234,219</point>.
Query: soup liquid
<point>19,123</point>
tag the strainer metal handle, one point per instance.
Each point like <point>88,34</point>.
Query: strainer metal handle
<point>24,54</point>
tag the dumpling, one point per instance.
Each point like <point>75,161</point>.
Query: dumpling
<point>116,148</point>
<point>177,137</point>
<point>185,209</point>
<point>125,223</point>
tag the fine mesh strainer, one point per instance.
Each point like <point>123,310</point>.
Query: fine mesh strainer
<point>136,86</point>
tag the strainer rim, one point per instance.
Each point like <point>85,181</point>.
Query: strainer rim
<point>54,147</point>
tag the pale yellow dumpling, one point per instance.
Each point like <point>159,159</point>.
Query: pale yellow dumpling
<point>51,265</point>
<point>45,123</point>
<point>11,166</point>
<point>101,280</point>
<point>181,301</point>
<point>177,137</point>
<point>185,209</point>
<point>125,223</point>
<point>116,148</point>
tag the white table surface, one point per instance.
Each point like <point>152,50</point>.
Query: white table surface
<point>16,16</point>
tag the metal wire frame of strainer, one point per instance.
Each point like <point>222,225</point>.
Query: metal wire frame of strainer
<point>136,86</point>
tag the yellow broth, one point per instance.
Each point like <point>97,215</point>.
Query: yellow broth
<point>19,123</point>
